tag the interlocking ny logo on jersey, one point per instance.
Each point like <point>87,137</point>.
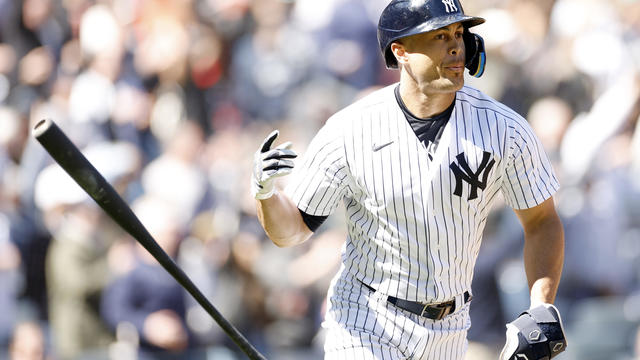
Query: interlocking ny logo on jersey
<point>462,171</point>
<point>449,6</point>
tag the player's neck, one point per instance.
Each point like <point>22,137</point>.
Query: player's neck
<point>423,105</point>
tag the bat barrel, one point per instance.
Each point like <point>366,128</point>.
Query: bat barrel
<point>67,155</point>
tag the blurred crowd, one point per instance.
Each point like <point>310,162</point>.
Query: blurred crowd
<point>169,99</point>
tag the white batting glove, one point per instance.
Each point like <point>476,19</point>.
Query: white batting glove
<point>269,164</point>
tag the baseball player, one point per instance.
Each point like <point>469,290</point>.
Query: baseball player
<point>418,165</point>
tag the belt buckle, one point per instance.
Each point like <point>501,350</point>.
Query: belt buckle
<point>443,307</point>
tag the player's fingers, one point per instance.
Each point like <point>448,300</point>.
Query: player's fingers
<point>282,172</point>
<point>277,164</point>
<point>279,154</point>
<point>272,174</point>
<point>285,145</point>
<point>268,141</point>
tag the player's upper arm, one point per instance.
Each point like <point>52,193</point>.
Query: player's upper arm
<point>536,217</point>
<point>320,180</point>
<point>529,179</point>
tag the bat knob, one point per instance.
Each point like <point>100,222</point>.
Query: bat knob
<point>42,126</point>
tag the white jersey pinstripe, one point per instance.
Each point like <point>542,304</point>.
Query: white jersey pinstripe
<point>414,225</point>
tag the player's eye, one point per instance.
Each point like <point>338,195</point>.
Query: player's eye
<point>440,37</point>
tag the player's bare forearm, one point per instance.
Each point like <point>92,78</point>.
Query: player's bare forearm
<point>544,256</point>
<point>543,251</point>
<point>282,221</point>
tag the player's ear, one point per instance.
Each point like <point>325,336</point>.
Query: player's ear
<point>400,52</point>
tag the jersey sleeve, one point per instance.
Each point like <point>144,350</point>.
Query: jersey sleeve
<point>319,182</point>
<point>529,177</point>
<point>312,222</point>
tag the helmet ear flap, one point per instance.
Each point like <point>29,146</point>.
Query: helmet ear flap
<point>390,59</point>
<point>475,56</point>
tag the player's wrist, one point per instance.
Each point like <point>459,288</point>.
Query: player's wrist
<point>262,191</point>
<point>264,196</point>
<point>536,303</point>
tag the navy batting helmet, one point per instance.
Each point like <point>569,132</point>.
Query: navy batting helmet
<point>403,18</point>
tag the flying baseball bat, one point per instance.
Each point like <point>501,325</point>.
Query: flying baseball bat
<point>67,155</point>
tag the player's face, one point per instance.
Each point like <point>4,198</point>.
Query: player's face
<point>435,59</point>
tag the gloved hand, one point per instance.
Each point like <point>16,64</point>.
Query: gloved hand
<point>269,164</point>
<point>537,334</point>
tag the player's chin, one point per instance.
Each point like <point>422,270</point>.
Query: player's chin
<point>448,84</point>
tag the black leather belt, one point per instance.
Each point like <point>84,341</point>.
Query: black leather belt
<point>434,311</point>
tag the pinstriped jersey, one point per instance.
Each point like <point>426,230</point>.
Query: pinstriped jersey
<point>415,216</point>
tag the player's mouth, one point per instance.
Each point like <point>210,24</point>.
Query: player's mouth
<point>455,67</point>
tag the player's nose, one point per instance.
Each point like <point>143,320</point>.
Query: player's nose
<point>456,46</point>
<point>456,50</point>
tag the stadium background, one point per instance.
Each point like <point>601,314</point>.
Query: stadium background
<point>170,98</point>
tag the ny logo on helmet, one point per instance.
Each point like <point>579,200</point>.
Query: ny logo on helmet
<point>449,6</point>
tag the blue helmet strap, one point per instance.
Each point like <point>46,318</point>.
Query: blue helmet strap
<point>475,56</point>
